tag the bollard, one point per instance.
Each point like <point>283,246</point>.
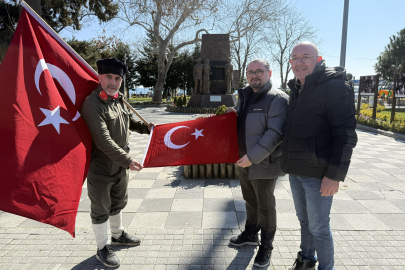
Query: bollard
<point>187,171</point>
<point>215,170</point>
<point>229,170</point>
<point>201,169</point>
<point>222,170</point>
<point>236,170</point>
<point>209,170</point>
<point>195,171</point>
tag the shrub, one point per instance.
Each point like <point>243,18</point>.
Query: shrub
<point>179,102</point>
<point>221,110</point>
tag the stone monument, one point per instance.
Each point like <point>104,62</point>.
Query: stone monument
<point>217,73</point>
<point>206,77</point>
<point>197,74</point>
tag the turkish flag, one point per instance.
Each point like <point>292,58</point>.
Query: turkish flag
<point>45,144</point>
<point>203,141</point>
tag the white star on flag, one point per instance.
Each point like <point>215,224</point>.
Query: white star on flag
<point>197,133</point>
<point>53,117</point>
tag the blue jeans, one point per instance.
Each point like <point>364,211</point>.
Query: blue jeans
<point>313,213</point>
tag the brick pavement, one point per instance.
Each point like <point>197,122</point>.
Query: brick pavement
<point>187,223</point>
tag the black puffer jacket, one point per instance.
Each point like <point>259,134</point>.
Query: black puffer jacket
<point>264,130</point>
<point>319,134</point>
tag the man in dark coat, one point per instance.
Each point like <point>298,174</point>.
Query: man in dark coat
<point>319,138</point>
<point>110,122</point>
<point>261,113</point>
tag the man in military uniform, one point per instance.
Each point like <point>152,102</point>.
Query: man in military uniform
<point>109,121</point>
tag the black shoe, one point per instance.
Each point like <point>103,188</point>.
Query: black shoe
<point>125,240</point>
<point>263,256</point>
<point>299,264</point>
<point>244,239</point>
<point>108,257</point>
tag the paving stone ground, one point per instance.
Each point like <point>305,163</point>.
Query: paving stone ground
<point>187,223</point>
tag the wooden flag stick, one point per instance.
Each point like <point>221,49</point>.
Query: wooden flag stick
<point>134,111</point>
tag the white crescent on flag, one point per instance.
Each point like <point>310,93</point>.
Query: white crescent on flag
<point>169,143</point>
<point>60,76</point>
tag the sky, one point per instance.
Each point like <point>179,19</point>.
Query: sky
<point>370,25</point>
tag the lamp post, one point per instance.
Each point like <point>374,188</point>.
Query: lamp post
<point>344,34</point>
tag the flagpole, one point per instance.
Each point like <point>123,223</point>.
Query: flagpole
<point>134,111</point>
<point>71,50</point>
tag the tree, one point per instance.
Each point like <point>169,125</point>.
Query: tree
<point>252,42</point>
<point>179,75</point>
<point>391,60</point>
<point>146,64</point>
<point>283,35</point>
<point>9,14</point>
<point>59,14</point>
<point>242,50</point>
<point>106,47</point>
<point>172,20</point>
<point>350,78</point>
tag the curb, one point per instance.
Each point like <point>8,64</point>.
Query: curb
<point>148,105</point>
<point>382,132</point>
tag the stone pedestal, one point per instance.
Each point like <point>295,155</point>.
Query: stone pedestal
<point>212,101</point>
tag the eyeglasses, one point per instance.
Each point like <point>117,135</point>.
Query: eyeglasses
<point>305,59</point>
<point>258,73</point>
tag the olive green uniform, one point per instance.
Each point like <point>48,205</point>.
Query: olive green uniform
<point>109,122</point>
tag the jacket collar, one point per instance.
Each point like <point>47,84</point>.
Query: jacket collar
<point>103,95</point>
<point>263,91</point>
<point>310,80</point>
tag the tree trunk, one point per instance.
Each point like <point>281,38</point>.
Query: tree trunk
<point>157,91</point>
<point>35,5</point>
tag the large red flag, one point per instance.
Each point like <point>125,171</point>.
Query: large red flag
<point>203,141</point>
<point>45,144</point>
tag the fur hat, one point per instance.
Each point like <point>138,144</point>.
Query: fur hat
<point>111,65</point>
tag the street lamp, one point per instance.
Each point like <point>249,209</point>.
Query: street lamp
<point>344,34</point>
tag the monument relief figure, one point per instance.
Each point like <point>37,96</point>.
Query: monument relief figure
<point>228,75</point>
<point>206,77</point>
<point>197,74</point>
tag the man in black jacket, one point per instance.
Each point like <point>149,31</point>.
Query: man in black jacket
<point>261,113</point>
<point>319,137</point>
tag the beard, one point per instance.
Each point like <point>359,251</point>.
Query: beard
<point>111,90</point>
<point>255,84</point>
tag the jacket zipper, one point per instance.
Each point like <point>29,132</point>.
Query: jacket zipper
<point>289,135</point>
<point>253,99</point>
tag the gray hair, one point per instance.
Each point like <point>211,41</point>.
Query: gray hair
<point>260,60</point>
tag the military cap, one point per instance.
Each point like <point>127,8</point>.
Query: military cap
<point>111,65</point>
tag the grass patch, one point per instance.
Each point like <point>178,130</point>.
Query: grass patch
<point>140,99</point>
<point>400,111</point>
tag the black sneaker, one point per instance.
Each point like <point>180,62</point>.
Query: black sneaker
<point>263,256</point>
<point>125,240</point>
<point>244,239</point>
<point>108,257</point>
<point>299,264</point>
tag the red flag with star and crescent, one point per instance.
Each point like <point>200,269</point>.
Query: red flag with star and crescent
<point>45,144</point>
<point>209,140</point>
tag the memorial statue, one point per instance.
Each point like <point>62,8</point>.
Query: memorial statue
<point>197,74</point>
<point>206,77</point>
<point>228,75</point>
